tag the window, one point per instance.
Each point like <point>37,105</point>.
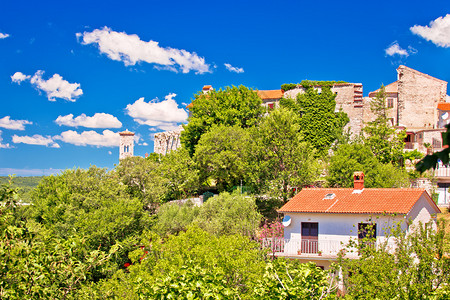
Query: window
<point>390,103</point>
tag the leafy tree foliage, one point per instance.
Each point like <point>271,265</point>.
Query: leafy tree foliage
<point>143,180</point>
<point>280,158</point>
<point>35,264</point>
<point>172,218</point>
<point>319,123</point>
<point>228,214</point>
<point>417,267</point>
<point>432,160</point>
<point>192,265</point>
<point>179,174</point>
<point>238,106</point>
<point>88,203</point>
<point>350,158</point>
<point>221,155</point>
<point>385,142</point>
<point>291,279</point>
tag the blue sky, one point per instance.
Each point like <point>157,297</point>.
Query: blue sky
<point>73,75</point>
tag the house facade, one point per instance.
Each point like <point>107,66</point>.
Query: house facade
<point>320,221</point>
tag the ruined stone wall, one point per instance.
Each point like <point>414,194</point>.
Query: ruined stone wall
<point>349,98</point>
<point>418,95</point>
<point>167,141</point>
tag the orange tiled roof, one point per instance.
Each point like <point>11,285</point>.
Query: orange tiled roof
<point>372,201</point>
<point>444,106</point>
<point>190,105</point>
<point>270,94</point>
<point>207,87</point>
<point>126,132</point>
<point>389,89</point>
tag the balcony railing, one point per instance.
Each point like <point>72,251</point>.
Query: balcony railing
<point>442,171</point>
<point>308,248</point>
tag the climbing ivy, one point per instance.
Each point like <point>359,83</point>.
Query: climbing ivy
<point>309,83</point>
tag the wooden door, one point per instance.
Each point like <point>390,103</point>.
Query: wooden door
<point>310,237</point>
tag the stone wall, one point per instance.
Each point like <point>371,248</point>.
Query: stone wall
<point>418,96</point>
<point>167,141</point>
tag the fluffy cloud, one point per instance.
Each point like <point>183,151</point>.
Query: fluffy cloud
<point>55,87</point>
<point>395,49</point>
<point>107,139</point>
<point>99,120</point>
<point>3,35</point>
<point>438,32</point>
<point>4,146</point>
<point>18,77</point>
<point>165,114</point>
<point>7,123</point>
<point>130,49</point>
<point>35,140</point>
<point>234,69</point>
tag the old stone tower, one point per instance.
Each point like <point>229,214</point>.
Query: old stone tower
<point>126,144</point>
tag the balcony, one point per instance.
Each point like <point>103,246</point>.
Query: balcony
<point>312,249</point>
<point>442,171</point>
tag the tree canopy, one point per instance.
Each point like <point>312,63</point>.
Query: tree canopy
<point>238,106</point>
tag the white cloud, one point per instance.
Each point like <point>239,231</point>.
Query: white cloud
<point>55,87</point>
<point>107,139</point>
<point>7,123</point>
<point>144,144</point>
<point>109,152</point>
<point>3,35</point>
<point>35,140</point>
<point>438,32</point>
<point>395,49</point>
<point>165,114</point>
<point>130,49</point>
<point>99,120</point>
<point>234,69</point>
<point>4,146</point>
<point>18,77</point>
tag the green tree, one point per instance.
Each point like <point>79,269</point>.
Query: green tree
<point>173,218</point>
<point>238,106</point>
<point>221,155</point>
<point>291,279</point>
<point>191,265</point>
<point>36,264</point>
<point>228,214</point>
<point>280,159</point>
<point>353,157</point>
<point>143,179</point>
<point>88,203</point>
<point>319,122</point>
<point>385,142</point>
<point>179,174</point>
<point>408,265</point>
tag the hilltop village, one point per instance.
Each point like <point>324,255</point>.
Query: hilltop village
<point>417,103</point>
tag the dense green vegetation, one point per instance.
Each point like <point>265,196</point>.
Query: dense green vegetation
<point>98,234</point>
<point>24,185</point>
<point>309,83</point>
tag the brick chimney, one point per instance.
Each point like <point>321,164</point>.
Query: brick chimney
<point>358,180</point>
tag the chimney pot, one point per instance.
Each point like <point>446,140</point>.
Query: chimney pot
<point>358,180</point>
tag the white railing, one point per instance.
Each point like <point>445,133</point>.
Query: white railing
<point>311,247</point>
<point>442,171</point>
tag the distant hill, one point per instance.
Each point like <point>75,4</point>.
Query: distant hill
<point>24,184</point>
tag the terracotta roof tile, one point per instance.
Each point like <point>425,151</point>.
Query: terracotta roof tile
<point>126,132</point>
<point>207,87</point>
<point>444,106</point>
<point>345,201</point>
<point>389,89</point>
<point>270,94</point>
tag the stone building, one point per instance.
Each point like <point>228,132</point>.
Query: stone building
<point>126,146</point>
<point>167,141</point>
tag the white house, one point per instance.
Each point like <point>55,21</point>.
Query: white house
<point>319,221</point>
